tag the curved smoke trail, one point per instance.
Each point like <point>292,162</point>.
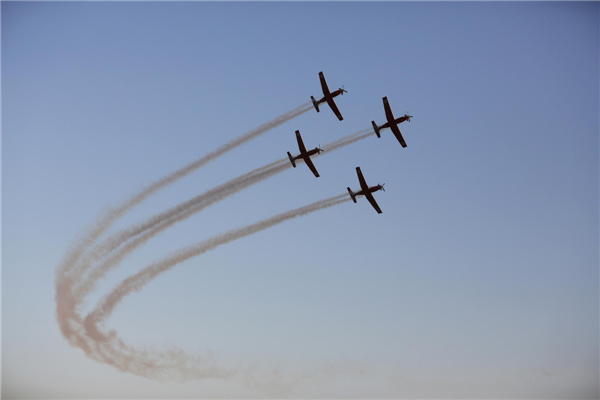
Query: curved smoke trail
<point>72,288</point>
<point>131,238</point>
<point>109,342</point>
<point>105,220</point>
<point>68,273</point>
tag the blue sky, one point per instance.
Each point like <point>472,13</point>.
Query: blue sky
<point>480,278</point>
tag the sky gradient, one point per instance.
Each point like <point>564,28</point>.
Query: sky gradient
<point>479,280</point>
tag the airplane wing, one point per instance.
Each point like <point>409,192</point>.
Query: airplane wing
<point>311,166</point>
<point>334,109</point>
<point>361,180</point>
<point>396,131</point>
<point>300,143</point>
<point>371,199</point>
<point>324,84</point>
<point>389,115</point>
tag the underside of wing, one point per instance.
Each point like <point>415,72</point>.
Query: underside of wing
<point>389,115</point>
<point>361,179</point>
<point>334,109</point>
<point>396,131</point>
<point>324,84</point>
<point>300,143</point>
<point>311,166</point>
<point>371,199</point>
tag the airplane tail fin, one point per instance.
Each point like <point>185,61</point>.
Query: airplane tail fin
<point>352,195</point>
<point>291,159</point>
<point>315,103</point>
<point>376,129</point>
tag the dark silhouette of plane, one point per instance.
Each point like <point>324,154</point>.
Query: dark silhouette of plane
<point>328,97</point>
<point>391,122</point>
<point>305,154</point>
<point>366,191</point>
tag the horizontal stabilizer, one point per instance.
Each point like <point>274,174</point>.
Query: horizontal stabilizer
<point>315,103</point>
<point>376,129</point>
<point>291,159</point>
<point>352,195</point>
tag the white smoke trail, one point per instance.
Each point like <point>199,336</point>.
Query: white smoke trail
<point>70,291</point>
<point>118,239</point>
<point>68,271</point>
<point>137,281</point>
<point>161,222</point>
<point>266,171</point>
<point>154,225</point>
<point>345,141</point>
<point>68,298</point>
<point>172,364</point>
<point>105,220</point>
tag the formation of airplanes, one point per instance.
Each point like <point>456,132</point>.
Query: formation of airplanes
<point>391,122</point>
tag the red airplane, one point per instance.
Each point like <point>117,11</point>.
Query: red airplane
<point>328,97</point>
<point>366,191</point>
<point>391,122</point>
<point>305,154</point>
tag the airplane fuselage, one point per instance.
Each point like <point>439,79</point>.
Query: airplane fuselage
<point>372,189</point>
<point>330,96</point>
<point>393,121</point>
<point>307,154</point>
<point>312,152</point>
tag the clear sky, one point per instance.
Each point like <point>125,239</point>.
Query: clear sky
<point>480,278</point>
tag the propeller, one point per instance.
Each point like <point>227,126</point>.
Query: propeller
<point>342,89</point>
<point>320,150</point>
<point>382,186</point>
<point>408,117</point>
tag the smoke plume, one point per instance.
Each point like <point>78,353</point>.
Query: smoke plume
<point>108,216</point>
<point>131,238</point>
<point>86,262</point>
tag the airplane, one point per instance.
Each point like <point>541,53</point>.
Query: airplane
<point>328,97</point>
<point>392,123</point>
<point>305,154</point>
<point>366,191</point>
